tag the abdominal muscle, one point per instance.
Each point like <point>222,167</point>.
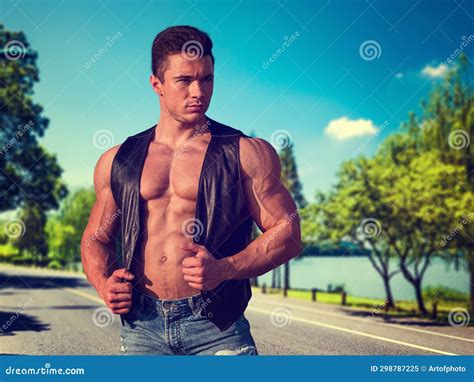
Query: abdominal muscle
<point>157,261</point>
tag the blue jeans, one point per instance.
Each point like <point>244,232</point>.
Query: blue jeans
<point>177,327</point>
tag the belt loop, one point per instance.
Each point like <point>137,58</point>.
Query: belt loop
<point>191,303</point>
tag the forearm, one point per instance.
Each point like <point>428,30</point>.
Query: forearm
<point>274,247</point>
<point>98,260</point>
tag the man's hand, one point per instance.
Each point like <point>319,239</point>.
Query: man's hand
<point>117,291</point>
<point>203,271</point>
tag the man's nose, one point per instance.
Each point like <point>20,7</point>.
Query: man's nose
<point>196,90</point>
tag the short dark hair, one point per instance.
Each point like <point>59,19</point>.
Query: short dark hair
<point>178,39</point>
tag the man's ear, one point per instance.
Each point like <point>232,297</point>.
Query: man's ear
<point>156,84</point>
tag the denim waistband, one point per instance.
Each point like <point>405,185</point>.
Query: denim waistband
<point>192,303</point>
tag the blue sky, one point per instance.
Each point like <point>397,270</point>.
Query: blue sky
<point>347,77</point>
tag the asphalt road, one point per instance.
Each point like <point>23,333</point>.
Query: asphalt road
<point>53,313</point>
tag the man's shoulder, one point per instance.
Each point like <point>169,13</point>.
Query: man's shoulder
<point>257,153</point>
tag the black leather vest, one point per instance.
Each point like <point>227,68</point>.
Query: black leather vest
<point>221,210</point>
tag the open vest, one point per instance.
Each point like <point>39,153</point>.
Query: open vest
<point>223,222</point>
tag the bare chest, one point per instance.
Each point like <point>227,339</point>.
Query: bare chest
<point>173,173</point>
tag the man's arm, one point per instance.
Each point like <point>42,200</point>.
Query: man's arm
<point>274,211</point>
<point>272,208</point>
<point>98,241</point>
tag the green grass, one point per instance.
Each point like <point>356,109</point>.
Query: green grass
<point>402,307</point>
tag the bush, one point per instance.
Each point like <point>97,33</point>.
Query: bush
<point>445,294</point>
<point>54,264</point>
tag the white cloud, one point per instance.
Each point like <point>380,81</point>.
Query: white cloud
<point>435,71</point>
<point>399,75</point>
<point>344,128</point>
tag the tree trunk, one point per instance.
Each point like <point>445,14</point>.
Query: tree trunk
<point>419,297</point>
<point>470,259</point>
<point>254,281</point>
<point>388,292</point>
<point>286,281</point>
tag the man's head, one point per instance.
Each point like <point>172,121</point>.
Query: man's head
<point>183,72</point>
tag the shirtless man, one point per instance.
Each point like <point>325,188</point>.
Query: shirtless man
<point>161,293</point>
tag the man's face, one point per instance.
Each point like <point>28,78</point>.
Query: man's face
<point>186,82</point>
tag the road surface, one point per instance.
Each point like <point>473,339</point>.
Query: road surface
<point>55,313</point>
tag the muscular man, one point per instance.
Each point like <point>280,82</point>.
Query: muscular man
<point>182,196</point>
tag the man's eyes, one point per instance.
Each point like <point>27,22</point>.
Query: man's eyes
<point>207,79</point>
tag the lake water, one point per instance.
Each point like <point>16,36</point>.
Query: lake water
<point>361,279</point>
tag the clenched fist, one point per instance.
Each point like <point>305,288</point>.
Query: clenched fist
<point>203,271</point>
<point>117,291</point>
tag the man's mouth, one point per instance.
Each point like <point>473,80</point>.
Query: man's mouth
<point>197,107</point>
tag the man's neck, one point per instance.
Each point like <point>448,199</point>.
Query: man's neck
<point>174,133</point>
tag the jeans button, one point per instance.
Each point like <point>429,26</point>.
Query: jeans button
<point>166,305</point>
<point>210,315</point>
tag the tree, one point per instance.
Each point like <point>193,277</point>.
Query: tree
<point>66,227</point>
<point>290,179</point>
<point>28,173</point>
<point>352,212</point>
<point>447,128</point>
<point>32,244</point>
